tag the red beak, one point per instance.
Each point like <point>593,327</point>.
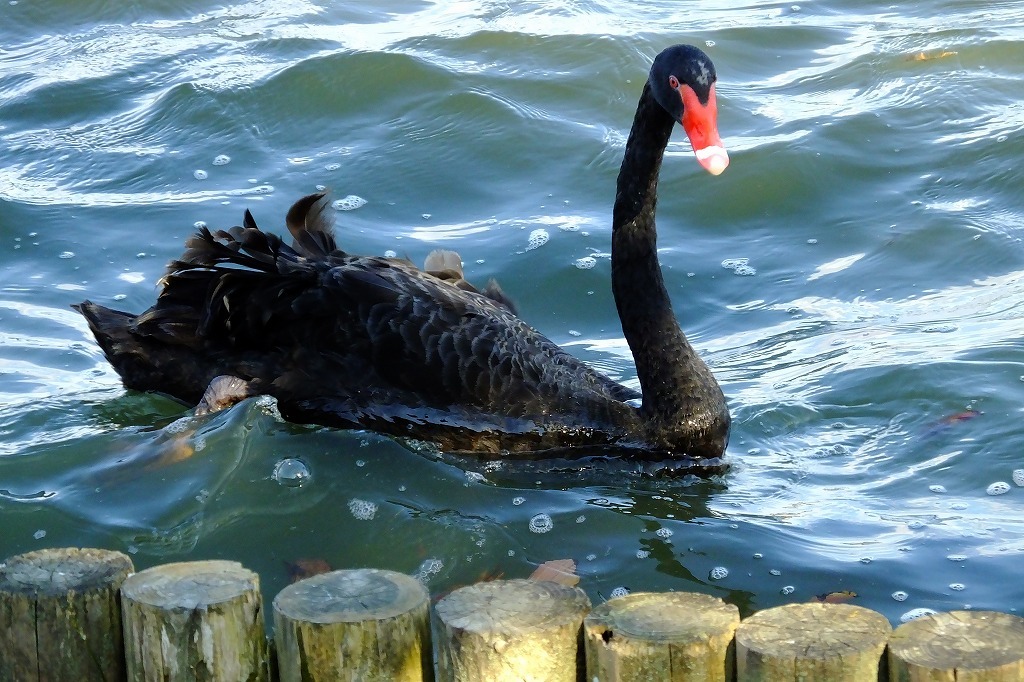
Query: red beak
<point>700,121</point>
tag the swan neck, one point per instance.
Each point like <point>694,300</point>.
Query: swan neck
<point>675,383</point>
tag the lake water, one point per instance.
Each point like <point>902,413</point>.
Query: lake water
<point>855,279</point>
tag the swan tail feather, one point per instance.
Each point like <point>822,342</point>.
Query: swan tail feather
<point>311,224</point>
<point>145,364</point>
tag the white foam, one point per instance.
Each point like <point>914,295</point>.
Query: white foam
<point>363,510</point>
<point>537,239</point>
<point>541,523</point>
<point>349,203</point>
<point>998,488</point>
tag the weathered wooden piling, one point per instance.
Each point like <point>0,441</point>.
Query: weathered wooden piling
<point>808,642</point>
<point>669,637</point>
<point>966,646</point>
<point>195,620</point>
<point>511,630</point>
<point>78,614</point>
<point>60,615</point>
<point>354,625</point>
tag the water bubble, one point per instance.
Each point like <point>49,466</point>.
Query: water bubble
<point>865,560</point>
<point>619,592</point>
<point>740,266</point>
<point>718,573</point>
<point>788,589</point>
<point>537,239</point>
<point>66,254</point>
<point>425,216</point>
<point>581,518</point>
<point>958,506</point>
<point>914,614</point>
<point>957,587</point>
<point>39,534</point>
<point>664,533</point>
<point>758,555</point>
<point>291,472</point>
<point>349,203</point>
<point>360,462</point>
<point>937,488</point>
<point>332,166</point>
<point>915,524</point>
<point>812,241</point>
<point>900,595</point>
<point>591,557</point>
<point>391,253</point>
<point>998,488</point>
<point>267,404</point>
<point>1018,477</point>
<point>428,568</point>
<point>709,43</point>
<point>573,332</point>
<point>200,174</point>
<point>263,189</point>
<point>221,160</point>
<point>957,557</point>
<point>518,500</point>
<point>474,477</point>
<point>179,425</point>
<point>642,553</point>
<point>541,523</point>
<point>120,297</point>
<point>362,509</point>
<point>585,263</point>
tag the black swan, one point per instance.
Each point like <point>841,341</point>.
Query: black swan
<point>375,343</point>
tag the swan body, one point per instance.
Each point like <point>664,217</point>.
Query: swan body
<point>376,343</point>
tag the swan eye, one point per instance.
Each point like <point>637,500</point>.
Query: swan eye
<point>673,82</point>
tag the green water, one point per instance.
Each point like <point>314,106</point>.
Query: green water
<point>870,344</point>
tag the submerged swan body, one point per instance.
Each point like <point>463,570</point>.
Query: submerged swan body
<point>376,343</point>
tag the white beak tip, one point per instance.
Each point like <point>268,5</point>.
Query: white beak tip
<point>713,159</point>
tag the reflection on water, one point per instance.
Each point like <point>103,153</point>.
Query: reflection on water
<point>866,329</point>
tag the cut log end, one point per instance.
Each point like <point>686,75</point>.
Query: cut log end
<point>975,645</point>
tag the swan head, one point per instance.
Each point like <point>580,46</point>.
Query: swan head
<point>682,81</point>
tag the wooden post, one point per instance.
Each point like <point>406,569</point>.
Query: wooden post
<point>362,624</point>
<point>511,630</point>
<point>60,618</point>
<point>807,642</point>
<point>967,646</point>
<point>196,620</point>
<point>673,636</point>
